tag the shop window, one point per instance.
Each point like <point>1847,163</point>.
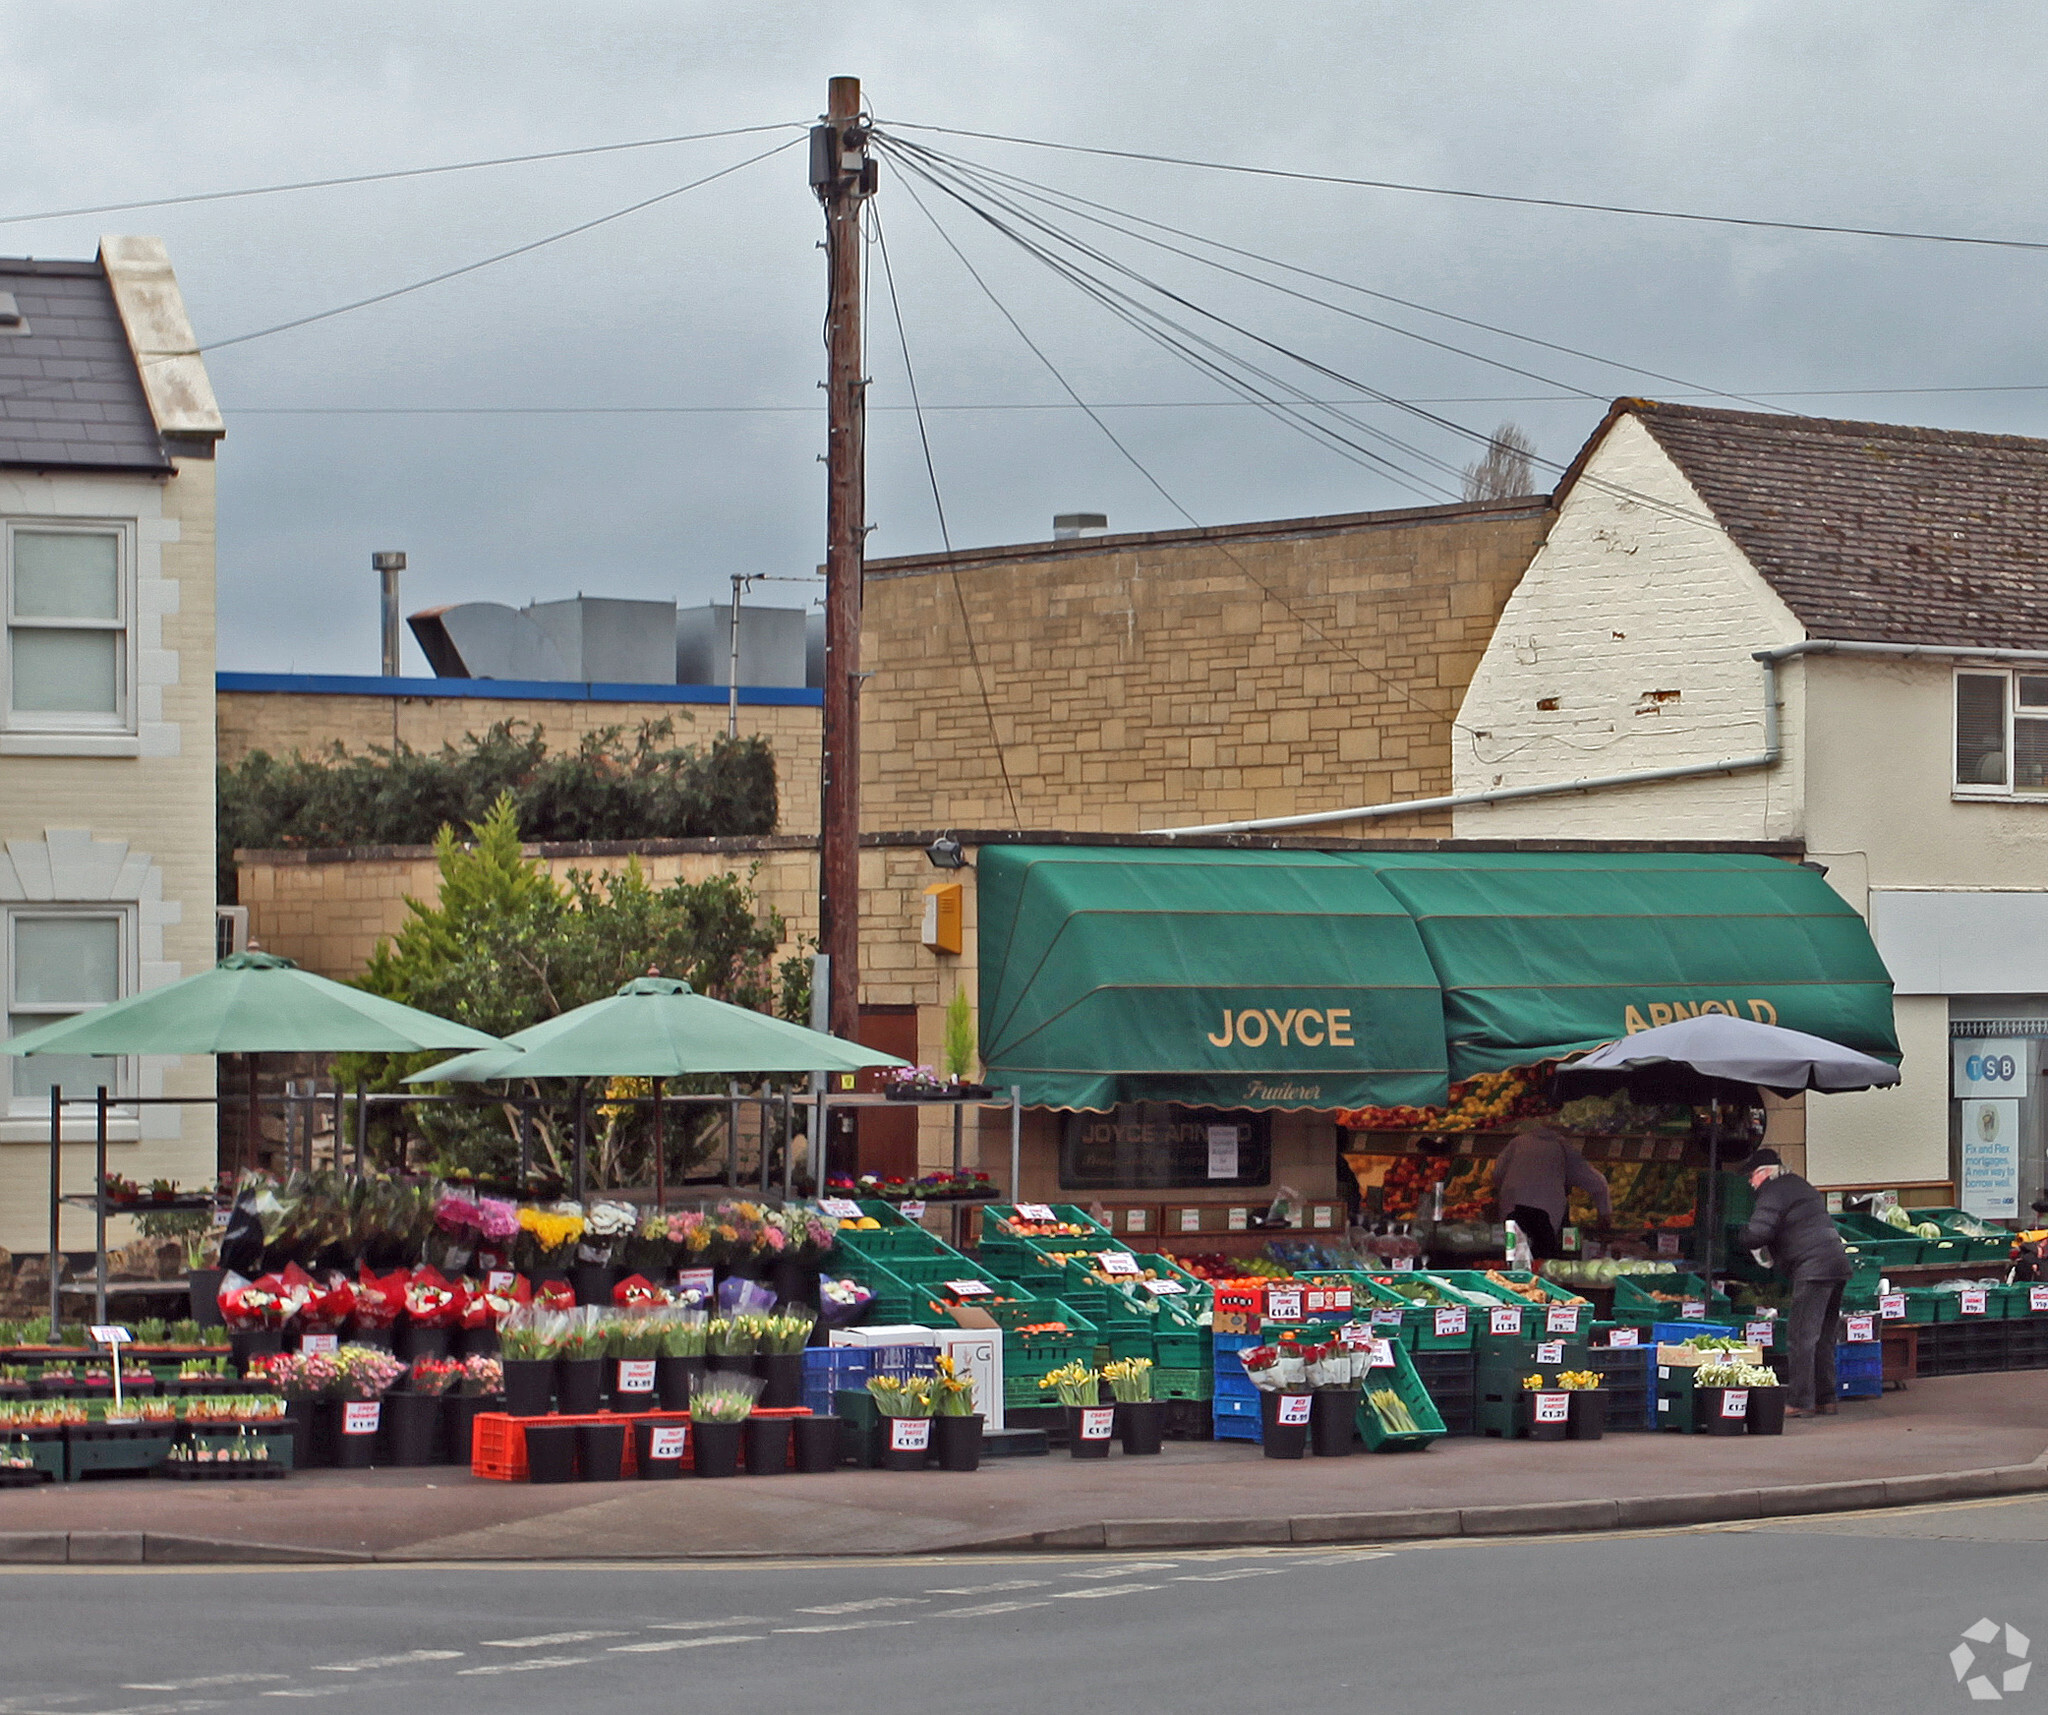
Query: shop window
<point>1157,1146</point>
<point>60,962</point>
<point>68,660</point>
<point>2001,733</point>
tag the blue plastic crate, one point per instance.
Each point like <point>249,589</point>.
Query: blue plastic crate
<point>1859,1371</point>
<point>1235,1419</point>
<point>1238,1386</point>
<point>831,1369</point>
<point>1237,1429</point>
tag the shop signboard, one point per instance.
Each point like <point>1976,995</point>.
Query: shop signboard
<point>1162,1146</point>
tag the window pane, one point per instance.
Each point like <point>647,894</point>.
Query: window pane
<point>67,961</point>
<point>1980,729</point>
<point>66,575</point>
<point>2030,756</point>
<point>2033,691</point>
<point>67,672</point>
<point>80,1074</point>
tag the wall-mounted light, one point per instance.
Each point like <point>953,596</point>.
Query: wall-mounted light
<point>945,852</point>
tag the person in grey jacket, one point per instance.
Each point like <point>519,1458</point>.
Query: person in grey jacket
<point>1792,1223</point>
<point>1534,1178</point>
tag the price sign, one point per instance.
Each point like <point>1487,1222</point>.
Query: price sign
<point>361,1416</point>
<point>1035,1212</point>
<point>1098,1422</point>
<point>667,1440</point>
<point>1562,1319</point>
<point>107,1334</point>
<point>912,1211</point>
<point>1165,1288</point>
<point>1191,1220</point>
<point>1283,1304</point>
<point>1294,1409</point>
<point>1387,1318</point>
<point>1404,1265</point>
<point>499,1280</point>
<point>1758,1333</point>
<point>1451,1320</point>
<point>840,1208</point>
<point>1552,1407</point>
<point>1240,1220</point>
<point>1693,1310</point>
<point>1892,1305</point>
<point>1667,1244</point>
<point>1505,1320</point>
<point>1118,1262</point>
<point>910,1434</point>
<point>1975,1301</point>
<point>2037,1299</point>
<point>1735,1402</point>
<point>312,1344</point>
<point>1382,1355</point>
<point>1622,1336</point>
<point>1322,1215</point>
<point>696,1282</point>
<point>1550,1351</point>
<point>968,1288</point>
<point>1137,1220</point>
<point>636,1375</point>
<point>1859,1330</point>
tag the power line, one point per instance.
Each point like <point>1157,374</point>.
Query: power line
<point>399,173</point>
<point>1491,196</point>
<point>931,470</point>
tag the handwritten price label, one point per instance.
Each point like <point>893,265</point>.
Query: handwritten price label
<point>1667,1244</point>
<point>1389,1318</point>
<point>361,1416</point>
<point>1550,1351</point>
<point>1622,1336</point>
<point>909,1434</point>
<point>636,1375</point>
<point>1975,1301</point>
<point>1191,1220</point>
<point>1138,1221</point>
<point>912,1211</point>
<point>1859,1330</point>
<point>968,1288</point>
<point>1322,1216</point>
<point>312,1344</point>
<point>667,1440</point>
<point>1119,1262</point>
<point>499,1280</point>
<point>1382,1355</point>
<point>1562,1319</point>
<point>1284,1306</point>
<point>1504,1321</point>
<point>1240,1220</point>
<point>1693,1310</point>
<point>1892,1306</point>
<point>1356,1336</point>
<point>1098,1422</point>
<point>1294,1409</point>
<point>1450,1321</point>
<point>1735,1402</point>
<point>1165,1288</point>
<point>840,1208</point>
<point>107,1334</point>
<point>1552,1407</point>
<point>2037,1299</point>
<point>1035,1212</point>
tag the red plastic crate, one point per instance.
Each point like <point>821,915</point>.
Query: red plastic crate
<point>498,1443</point>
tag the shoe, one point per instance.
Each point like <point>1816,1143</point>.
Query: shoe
<point>1827,1410</point>
<point>1799,1411</point>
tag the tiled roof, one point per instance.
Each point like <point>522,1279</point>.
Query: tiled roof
<point>1875,533</point>
<point>70,396</point>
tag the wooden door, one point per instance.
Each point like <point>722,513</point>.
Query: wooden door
<point>886,1138</point>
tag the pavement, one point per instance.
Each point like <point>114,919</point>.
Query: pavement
<point>1941,1440</point>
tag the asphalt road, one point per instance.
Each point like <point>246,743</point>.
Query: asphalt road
<point>1857,1614</point>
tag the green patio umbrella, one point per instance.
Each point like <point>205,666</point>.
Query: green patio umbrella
<point>659,1028</point>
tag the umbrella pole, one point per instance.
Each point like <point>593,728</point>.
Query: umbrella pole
<point>1713,1186</point>
<point>582,1116</point>
<point>252,1125</point>
<point>660,1157</point>
<point>732,1134</point>
<point>56,1206</point>
<point>762,1132</point>
<point>788,1141</point>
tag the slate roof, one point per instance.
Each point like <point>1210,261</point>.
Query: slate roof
<point>1871,532</point>
<point>70,397</point>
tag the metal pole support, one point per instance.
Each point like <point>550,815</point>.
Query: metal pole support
<point>1016,1140</point>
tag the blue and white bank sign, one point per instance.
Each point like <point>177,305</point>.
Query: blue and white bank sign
<point>1991,1067</point>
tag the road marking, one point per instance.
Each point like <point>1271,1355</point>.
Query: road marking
<point>708,1625</point>
<point>991,1608</point>
<point>1127,1571</point>
<point>863,1607</point>
<point>210,1679</point>
<point>369,1663</point>
<point>991,1589</point>
<point>682,1643</point>
<point>543,1642</point>
<point>846,1626</point>
<point>527,1664</point>
<point>1347,1559</point>
<point>1103,1590</point>
<point>1220,1577</point>
<point>316,1691</point>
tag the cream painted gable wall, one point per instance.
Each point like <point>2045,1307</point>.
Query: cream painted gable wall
<point>1627,646</point>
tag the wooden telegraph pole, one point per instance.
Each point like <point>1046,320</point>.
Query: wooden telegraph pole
<point>844,177</point>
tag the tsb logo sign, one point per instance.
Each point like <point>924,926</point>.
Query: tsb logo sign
<point>1987,1067</point>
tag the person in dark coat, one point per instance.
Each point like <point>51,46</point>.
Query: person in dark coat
<point>1792,1222</point>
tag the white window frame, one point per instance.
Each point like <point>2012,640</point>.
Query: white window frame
<point>121,723</point>
<point>125,1080</point>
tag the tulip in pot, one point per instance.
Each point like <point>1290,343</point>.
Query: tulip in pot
<point>1091,1425</point>
<point>956,1425</point>
<point>1137,1412</point>
<point>719,1410</point>
<point>363,1375</point>
<point>906,1408</point>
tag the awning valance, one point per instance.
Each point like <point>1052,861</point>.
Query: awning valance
<point>1281,979</point>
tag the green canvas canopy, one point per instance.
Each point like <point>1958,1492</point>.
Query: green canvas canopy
<point>1115,975</point>
<point>1214,978</point>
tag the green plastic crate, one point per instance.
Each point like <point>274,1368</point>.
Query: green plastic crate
<point>995,1213</point>
<point>1866,1236</point>
<point>46,1453</point>
<point>1976,1249</point>
<point>1632,1298</point>
<point>1417,1327</point>
<point>1183,1383</point>
<point>1408,1385</point>
<point>889,1244</point>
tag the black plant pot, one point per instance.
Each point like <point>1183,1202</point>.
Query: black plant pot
<point>255,1343</point>
<point>551,1452</point>
<point>1285,1440</point>
<point>730,1363</point>
<point>299,1421</point>
<point>782,1377</point>
<point>795,1283</point>
<point>767,1446</point>
<point>906,1443</point>
<point>1588,1419</point>
<point>632,1383</point>
<point>1140,1425</point>
<point>378,1337</point>
<point>412,1430</point>
<point>410,1342</point>
<point>817,1442</point>
<point>718,1448</point>
<point>205,1285</point>
<point>458,1422</point>
<point>357,1423</point>
<point>1333,1422</point>
<point>529,1386</point>
<point>593,1282</point>
<point>1767,1411</point>
<point>1722,1410</point>
<point>1089,1430</point>
<point>1537,1427</point>
<point>958,1440</point>
<point>658,1448</point>
<point>601,1449</point>
<point>477,1342</point>
<point>579,1386</point>
<point>673,1379</point>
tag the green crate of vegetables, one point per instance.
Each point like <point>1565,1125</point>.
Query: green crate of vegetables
<point>1982,1242</point>
<point>1395,1413</point>
<point>1419,1297</point>
<point>1664,1298</point>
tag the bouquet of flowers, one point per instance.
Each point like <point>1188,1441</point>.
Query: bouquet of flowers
<point>689,1236</point>
<point>246,1305</point>
<point>784,1333</point>
<point>304,1375</point>
<point>631,1336</point>
<point>1271,1369</point>
<point>1334,1366</point>
<point>730,1336</point>
<point>482,1375</point>
<point>548,1237</point>
<point>902,1396</point>
<point>1130,1379</point>
<point>741,1297</point>
<point>604,1225</point>
<point>379,1301</point>
<point>952,1389</point>
<point>484,1308</point>
<point>364,1372</point>
<point>584,1333</point>
<point>434,1375</point>
<point>842,1301</point>
<point>682,1333</point>
<point>328,1307</point>
<point>529,1332</point>
<point>1074,1384</point>
<point>648,1247</point>
<point>636,1292</point>
<point>430,1302</point>
<point>724,1398</point>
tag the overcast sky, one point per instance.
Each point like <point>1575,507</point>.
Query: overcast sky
<point>1914,116</point>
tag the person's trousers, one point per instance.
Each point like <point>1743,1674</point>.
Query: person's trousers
<point>1538,1228</point>
<point>1815,1326</point>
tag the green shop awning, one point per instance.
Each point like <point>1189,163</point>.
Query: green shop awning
<point>1543,953</point>
<point>1214,978</point>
